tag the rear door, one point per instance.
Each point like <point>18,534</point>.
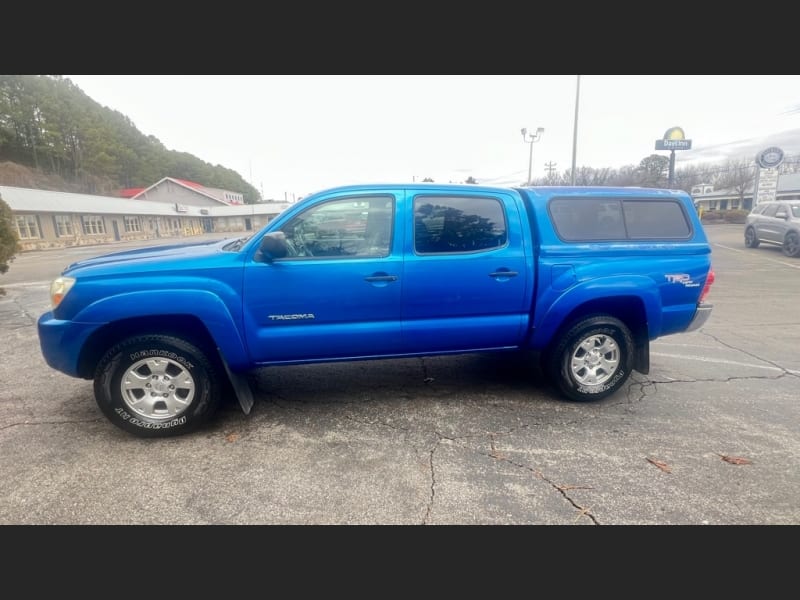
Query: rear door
<point>465,274</point>
<point>768,226</point>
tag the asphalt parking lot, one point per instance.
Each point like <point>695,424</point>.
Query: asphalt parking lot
<point>710,436</point>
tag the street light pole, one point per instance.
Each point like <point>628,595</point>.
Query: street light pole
<point>531,138</point>
<point>575,129</point>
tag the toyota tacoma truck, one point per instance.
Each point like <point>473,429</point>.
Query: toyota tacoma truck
<point>579,278</point>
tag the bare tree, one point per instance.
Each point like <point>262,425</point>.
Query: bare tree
<point>688,177</point>
<point>583,176</point>
<point>625,176</point>
<point>738,175</point>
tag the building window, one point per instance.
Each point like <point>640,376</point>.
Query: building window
<point>27,227</point>
<point>132,224</point>
<point>93,225</point>
<point>63,225</point>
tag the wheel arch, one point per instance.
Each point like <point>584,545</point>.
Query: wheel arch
<point>187,327</point>
<point>630,310</point>
<point>792,233</point>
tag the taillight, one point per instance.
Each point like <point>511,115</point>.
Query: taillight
<point>707,286</point>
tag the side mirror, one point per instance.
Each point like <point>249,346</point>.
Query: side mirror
<point>273,245</point>
<point>781,215</point>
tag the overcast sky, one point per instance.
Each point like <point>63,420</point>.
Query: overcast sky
<point>290,135</point>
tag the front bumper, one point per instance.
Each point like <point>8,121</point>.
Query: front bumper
<point>61,342</point>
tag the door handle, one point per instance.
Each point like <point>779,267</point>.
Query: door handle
<point>504,274</point>
<point>381,278</point>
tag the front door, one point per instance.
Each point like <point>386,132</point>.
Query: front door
<point>337,292</point>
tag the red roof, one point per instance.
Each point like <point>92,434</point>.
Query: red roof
<point>193,184</point>
<point>129,192</point>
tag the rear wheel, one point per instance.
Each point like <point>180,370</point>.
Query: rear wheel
<point>156,386</point>
<point>791,244</point>
<point>750,238</point>
<point>593,359</point>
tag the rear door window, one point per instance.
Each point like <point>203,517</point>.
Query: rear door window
<point>770,210</point>
<point>446,224</point>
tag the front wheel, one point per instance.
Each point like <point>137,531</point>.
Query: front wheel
<point>156,386</point>
<point>593,359</point>
<point>791,245</point>
<point>750,238</point>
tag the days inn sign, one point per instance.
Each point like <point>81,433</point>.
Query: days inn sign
<point>674,139</point>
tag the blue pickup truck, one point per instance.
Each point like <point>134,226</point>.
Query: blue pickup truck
<point>582,277</point>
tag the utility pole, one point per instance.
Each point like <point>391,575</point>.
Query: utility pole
<point>550,167</point>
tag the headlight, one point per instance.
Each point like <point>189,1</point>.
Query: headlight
<point>59,288</point>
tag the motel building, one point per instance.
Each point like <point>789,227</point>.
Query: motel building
<point>707,199</point>
<point>170,208</point>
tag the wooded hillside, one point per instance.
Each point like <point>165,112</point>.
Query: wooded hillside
<point>49,124</point>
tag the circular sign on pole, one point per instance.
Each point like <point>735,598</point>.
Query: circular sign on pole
<point>769,158</point>
<point>675,133</point>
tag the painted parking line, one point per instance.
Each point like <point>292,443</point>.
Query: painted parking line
<point>779,262</point>
<point>724,362</point>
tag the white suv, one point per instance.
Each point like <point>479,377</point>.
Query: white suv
<point>775,223</point>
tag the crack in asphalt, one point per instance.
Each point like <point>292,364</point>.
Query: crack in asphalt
<point>25,313</point>
<point>648,383</point>
<point>494,454</point>
<point>426,378</point>
<point>561,489</point>
<point>750,354</point>
<point>433,481</point>
<point>271,400</point>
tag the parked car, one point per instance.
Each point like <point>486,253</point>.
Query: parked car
<point>776,223</point>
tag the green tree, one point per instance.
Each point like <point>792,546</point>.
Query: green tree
<point>653,171</point>
<point>49,123</point>
<point>8,238</point>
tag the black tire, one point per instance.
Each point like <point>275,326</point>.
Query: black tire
<point>150,404</point>
<point>791,244</point>
<point>750,238</point>
<point>593,359</point>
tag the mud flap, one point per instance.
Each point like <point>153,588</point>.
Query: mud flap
<point>240,386</point>
<point>641,361</point>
